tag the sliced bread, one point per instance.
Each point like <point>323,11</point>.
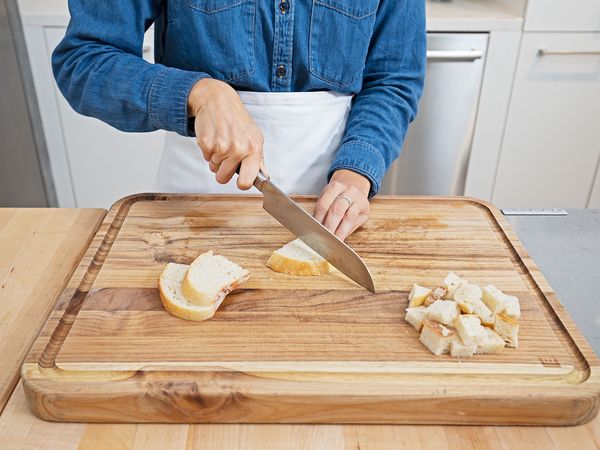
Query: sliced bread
<point>210,278</point>
<point>172,297</point>
<point>297,258</point>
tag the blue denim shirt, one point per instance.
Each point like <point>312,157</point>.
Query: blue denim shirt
<point>374,49</point>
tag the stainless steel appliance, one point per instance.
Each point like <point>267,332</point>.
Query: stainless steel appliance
<point>436,151</point>
<point>25,178</point>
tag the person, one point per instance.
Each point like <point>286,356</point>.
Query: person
<point>317,94</point>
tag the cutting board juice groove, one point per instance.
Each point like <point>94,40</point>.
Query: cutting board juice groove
<point>298,350</point>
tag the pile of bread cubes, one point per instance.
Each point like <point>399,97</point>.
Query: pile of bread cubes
<point>463,319</point>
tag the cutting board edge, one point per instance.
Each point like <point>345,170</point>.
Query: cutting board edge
<point>215,397</point>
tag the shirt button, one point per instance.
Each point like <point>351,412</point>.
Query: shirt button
<point>280,72</point>
<point>284,6</point>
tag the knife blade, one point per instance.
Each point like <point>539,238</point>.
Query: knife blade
<point>313,233</point>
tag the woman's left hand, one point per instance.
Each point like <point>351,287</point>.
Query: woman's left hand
<point>343,205</point>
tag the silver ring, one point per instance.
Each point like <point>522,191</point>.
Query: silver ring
<point>348,199</point>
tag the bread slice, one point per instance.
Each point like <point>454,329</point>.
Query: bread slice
<point>172,298</point>
<point>469,329</point>
<point>508,329</point>
<point>436,337</point>
<point>492,343</point>
<point>415,316</point>
<point>297,258</point>
<point>210,278</point>
<point>451,282</point>
<point>460,350</point>
<point>417,295</point>
<point>443,311</point>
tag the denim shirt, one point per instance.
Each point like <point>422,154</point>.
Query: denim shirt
<point>374,49</point>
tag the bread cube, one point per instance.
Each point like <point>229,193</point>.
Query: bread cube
<point>469,329</point>
<point>451,282</point>
<point>467,292</point>
<point>417,295</point>
<point>443,311</point>
<point>436,294</point>
<point>416,316</point>
<point>436,337</point>
<point>512,307</point>
<point>497,301</point>
<point>460,350</point>
<point>492,343</point>
<point>493,298</point>
<point>508,329</point>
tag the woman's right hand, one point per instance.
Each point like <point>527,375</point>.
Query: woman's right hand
<point>225,132</point>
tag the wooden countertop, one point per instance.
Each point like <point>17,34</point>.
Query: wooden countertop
<point>38,250</point>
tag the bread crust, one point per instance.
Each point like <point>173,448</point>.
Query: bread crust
<point>194,312</point>
<point>290,266</point>
<point>197,297</point>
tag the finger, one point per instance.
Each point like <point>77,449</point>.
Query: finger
<point>348,223</point>
<point>226,170</point>
<point>263,168</point>
<point>326,198</point>
<point>205,147</point>
<point>249,168</point>
<point>336,213</point>
<point>362,219</point>
<point>214,168</point>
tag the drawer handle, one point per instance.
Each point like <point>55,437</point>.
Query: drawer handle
<point>454,55</point>
<point>545,52</point>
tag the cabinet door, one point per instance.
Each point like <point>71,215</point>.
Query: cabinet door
<point>562,15</point>
<point>105,164</point>
<point>552,138</point>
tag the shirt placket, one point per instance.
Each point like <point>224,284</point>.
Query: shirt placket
<point>282,46</point>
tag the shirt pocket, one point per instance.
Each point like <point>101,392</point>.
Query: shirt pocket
<point>214,36</point>
<point>339,38</point>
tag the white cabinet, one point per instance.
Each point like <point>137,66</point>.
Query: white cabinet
<point>551,146</point>
<point>562,15</point>
<point>101,163</point>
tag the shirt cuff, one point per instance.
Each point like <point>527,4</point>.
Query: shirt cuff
<point>168,96</point>
<point>362,158</point>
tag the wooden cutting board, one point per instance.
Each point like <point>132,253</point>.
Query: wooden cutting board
<point>301,349</point>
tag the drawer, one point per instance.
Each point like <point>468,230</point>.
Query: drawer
<point>563,15</point>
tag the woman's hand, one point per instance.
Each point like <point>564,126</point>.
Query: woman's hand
<point>343,205</point>
<point>226,133</point>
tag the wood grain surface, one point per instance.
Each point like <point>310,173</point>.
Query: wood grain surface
<point>301,350</point>
<point>39,249</point>
<point>22,430</point>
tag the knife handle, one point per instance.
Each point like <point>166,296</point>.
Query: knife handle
<point>260,179</point>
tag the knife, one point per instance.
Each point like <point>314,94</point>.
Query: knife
<point>313,233</point>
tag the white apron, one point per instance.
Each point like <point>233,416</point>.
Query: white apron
<point>302,131</point>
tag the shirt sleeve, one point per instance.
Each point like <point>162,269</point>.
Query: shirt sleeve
<point>99,68</point>
<point>392,86</point>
